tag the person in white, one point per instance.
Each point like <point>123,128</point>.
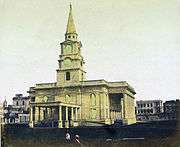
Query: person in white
<point>68,137</point>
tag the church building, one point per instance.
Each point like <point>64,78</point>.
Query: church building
<point>74,101</point>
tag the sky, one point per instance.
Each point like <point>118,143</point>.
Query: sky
<point>135,41</point>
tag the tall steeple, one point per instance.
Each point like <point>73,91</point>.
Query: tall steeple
<point>70,25</point>
<point>71,29</point>
<point>71,62</point>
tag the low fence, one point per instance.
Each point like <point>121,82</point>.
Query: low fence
<point>140,130</point>
<point>161,134</point>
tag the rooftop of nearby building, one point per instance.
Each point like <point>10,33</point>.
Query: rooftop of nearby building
<point>20,96</point>
<point>171,102</point>
<point>148,101</point>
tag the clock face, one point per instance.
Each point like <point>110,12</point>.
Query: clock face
<point>67,49</point>
<point>67,62</point>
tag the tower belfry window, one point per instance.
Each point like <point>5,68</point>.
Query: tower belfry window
<point>68,76</point>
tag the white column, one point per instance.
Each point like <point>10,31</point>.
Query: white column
<point>36,114</point>
<point>39,113</point>
<point>80,113</point>
<point>122,107</point>
<point>31,124</point>
<point>60,117</point>
<point>72,116</point>
<point>67,123</point>
<point>42,113</point>
<point>76,114</point>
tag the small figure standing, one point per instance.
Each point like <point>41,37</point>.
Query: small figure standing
<point>68,137</point>
<point>77,139</point>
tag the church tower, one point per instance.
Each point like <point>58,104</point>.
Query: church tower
<point>71,62</point>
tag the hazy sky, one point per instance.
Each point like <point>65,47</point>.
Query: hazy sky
<point>123,40</point>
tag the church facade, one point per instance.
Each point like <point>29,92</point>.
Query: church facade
<point>73,100</point>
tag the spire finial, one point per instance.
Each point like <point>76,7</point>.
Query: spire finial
<point>70,25</point>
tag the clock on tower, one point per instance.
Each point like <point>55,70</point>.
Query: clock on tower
<point>67,49</point>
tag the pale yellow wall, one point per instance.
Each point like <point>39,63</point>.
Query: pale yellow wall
<point>90,112</point>
<point>81,96</point>
<point>76,76</point>
<point>129,109</point>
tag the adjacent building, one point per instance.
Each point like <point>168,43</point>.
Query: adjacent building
<point>19,111</point>
<point>73,100</point>
<point>170,109</point>
<point>149,110</point>
<point>20,101</point>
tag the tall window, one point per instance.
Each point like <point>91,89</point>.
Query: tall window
<point>82,76</point>
<point>17,103</point>
<point>107,100</point>
<point>93,99</point>
<point>68,76</point>
<point>93,111</point>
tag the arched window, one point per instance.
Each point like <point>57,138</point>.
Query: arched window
<point>93,99</point>
<point>68,76</point>
<point>82,76</point>
<point>107,100</point>
<point>17,103</point>
<point>23,103</point>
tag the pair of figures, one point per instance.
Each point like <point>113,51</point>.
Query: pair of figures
<point>68,138</point>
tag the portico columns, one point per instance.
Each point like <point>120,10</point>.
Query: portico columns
<point>76,115</point>
<point>67,122</point>
<point>122,108</point>
<point>79,113</point>
<point>72,116</point>
<point>31,117</point>
<point>36,113</point>
<point>114,114</point>
<point>60,117</point>
<point>39,113</point>
<point>46,112</point>
<point>42,113</point>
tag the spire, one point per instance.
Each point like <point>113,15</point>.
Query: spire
<point>5,103</point>
<point>70,25</point>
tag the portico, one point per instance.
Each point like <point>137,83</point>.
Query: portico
<point>67,115</point>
